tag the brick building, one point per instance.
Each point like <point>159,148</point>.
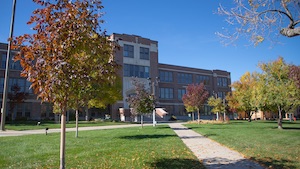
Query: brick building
<point>139,58</point>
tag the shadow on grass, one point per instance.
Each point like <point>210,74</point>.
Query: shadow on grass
<point>275,163</point>
<point>138,137</point>
<point>230,163</point>
<point>208,135</point>
<point>28,123</point>
<point>177,163</point>
<point>291,128</point>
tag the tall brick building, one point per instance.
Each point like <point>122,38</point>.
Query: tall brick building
<point>139,58</point>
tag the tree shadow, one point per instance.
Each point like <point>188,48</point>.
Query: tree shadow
<point>177,163</point>
<point>154,136</point>
<point>181,128</point>
<point>163,127</point>
<point>275,163</point>
<point>190,137</point>
<point>291,128</point>
<point>208,135</point>
<point>225,163</point>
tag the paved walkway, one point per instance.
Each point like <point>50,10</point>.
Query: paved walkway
<point>212,154</point>
<point>43,131</point>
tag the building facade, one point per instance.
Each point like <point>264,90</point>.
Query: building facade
<point>138,57</point>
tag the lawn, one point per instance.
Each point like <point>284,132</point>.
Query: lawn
<point>134,147</point>
<point>260,141</point>
<point>32,125</point>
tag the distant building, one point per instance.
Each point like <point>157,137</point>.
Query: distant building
<point>139,58</point>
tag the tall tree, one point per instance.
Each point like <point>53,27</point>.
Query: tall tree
<point>68,47</point>
<point>294,74</point>
<point>217,105</point>
<point>282,91</point>
<point>262,19</point>
<point>142,101</point>
<point>242,95</point>
<point>195,97</point>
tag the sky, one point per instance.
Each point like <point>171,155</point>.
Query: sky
<point>185,31</point>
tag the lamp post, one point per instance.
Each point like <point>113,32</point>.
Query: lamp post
<point>6,76</point>
<point>153,85</point>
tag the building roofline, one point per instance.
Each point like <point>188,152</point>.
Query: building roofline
<point>191,68</point>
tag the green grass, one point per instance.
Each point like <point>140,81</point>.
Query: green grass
<point>32,125</point>
<point>260,141</point>
<point>134,147</point>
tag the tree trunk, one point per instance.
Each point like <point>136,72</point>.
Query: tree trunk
<point>63,139</point>
<point>217,116</point>
<point>198,116</point>
<point>249,116</point>
<point>224,117</point>
<point>279,118</point>
<point>76,116</point>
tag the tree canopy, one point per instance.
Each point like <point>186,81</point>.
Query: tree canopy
<point>142,101</point>
<point>195,97</point>
<point>281,91</point>
<point>274,89</point>
<point>68,54</point>
<point>261,19</point>
<point>216,104</point>
<point>243,93</point>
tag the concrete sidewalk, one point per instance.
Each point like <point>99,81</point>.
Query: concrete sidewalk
<point>212,154</point>
<point>57,130</point>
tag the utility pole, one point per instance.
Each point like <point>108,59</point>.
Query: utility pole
<point>154,111</point>
<point>6,76</point>
<point>152,86</point>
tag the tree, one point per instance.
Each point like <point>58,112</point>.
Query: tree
<point>261,19</point>
<point>68,51</point>
<point>281,91</point>
<point>217,105</point>
<point>242,95</point>
<point>15,97</point>
<point>294,74</point>
<point>195,97</point>
<point>142,101</point>
<point>96,95</point>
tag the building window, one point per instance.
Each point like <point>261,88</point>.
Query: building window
<point>222,81</point>
<point>3,60</point>
<point>27,87</point>
<point>202,79</point>
<point>166,93</point>
<point>144,53</point>
<point>27,109</point>
<point>185,78</point>
<point>15,65</point>
<point>1,85</point>
<point>222,95</point>
<point>12,64</point>
<point>165,76</point>
<point>181,92</point>
<point>136,71</point>
<point>16,81</point>
<point>128,51</point>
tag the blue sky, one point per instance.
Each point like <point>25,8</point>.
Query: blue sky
<point>185,31</point>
